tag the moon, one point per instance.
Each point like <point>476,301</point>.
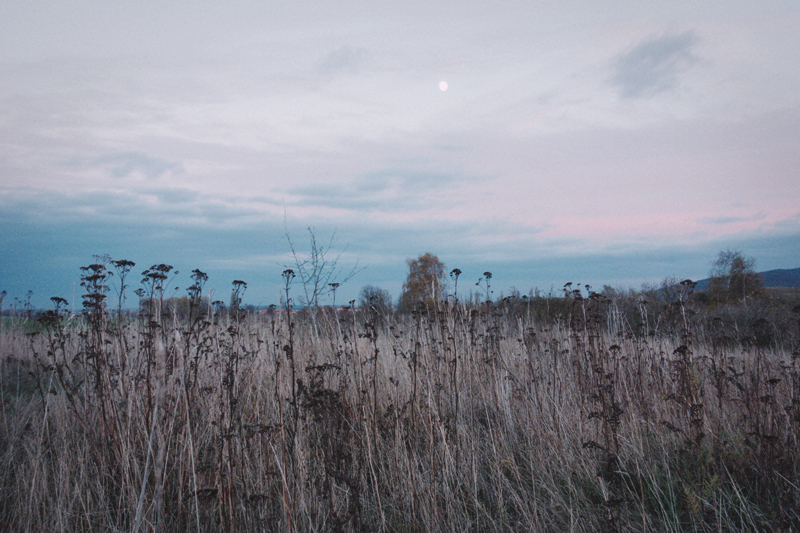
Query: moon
<point>443,86</point>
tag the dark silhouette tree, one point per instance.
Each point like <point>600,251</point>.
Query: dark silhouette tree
<point>372,297</point>
<point>376,303</point>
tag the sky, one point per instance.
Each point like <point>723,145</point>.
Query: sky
<point>605,143</point>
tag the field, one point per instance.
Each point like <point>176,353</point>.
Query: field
<point>582,412</point>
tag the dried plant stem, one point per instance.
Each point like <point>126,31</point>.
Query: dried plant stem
<point>146,473</point>
<point>190,442</point>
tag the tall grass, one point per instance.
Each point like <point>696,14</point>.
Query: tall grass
<point>454,418</point>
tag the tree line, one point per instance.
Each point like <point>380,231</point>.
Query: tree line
<point>732,280</point>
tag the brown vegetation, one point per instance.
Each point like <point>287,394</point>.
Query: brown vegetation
<point>582,412</point>
<point>424,285</point>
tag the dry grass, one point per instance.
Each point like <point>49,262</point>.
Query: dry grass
<point>453,419</point>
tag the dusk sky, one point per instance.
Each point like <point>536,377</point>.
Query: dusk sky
<point>596,142</point>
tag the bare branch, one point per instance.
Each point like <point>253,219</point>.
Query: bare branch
<point>317,272</point>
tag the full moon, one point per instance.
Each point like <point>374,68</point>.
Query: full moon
<point>443,85</point>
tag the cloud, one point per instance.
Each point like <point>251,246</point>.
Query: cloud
<point>124,164</point>
<point>345,59</point>
<point>731,220</point>
<point>173,195</point>
<point>156,207</point>
<point>654,65</point>
<point>388,190</point>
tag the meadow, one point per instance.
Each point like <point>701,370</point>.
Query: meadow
<point>582,411</point>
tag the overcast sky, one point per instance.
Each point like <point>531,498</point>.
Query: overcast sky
<point>596,142</point>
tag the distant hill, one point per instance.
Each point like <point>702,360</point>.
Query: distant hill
<point>781,278</point>
<point>770,278</point>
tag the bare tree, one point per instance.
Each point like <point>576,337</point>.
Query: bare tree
<point>734,278</point>
<point>318,270</point>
